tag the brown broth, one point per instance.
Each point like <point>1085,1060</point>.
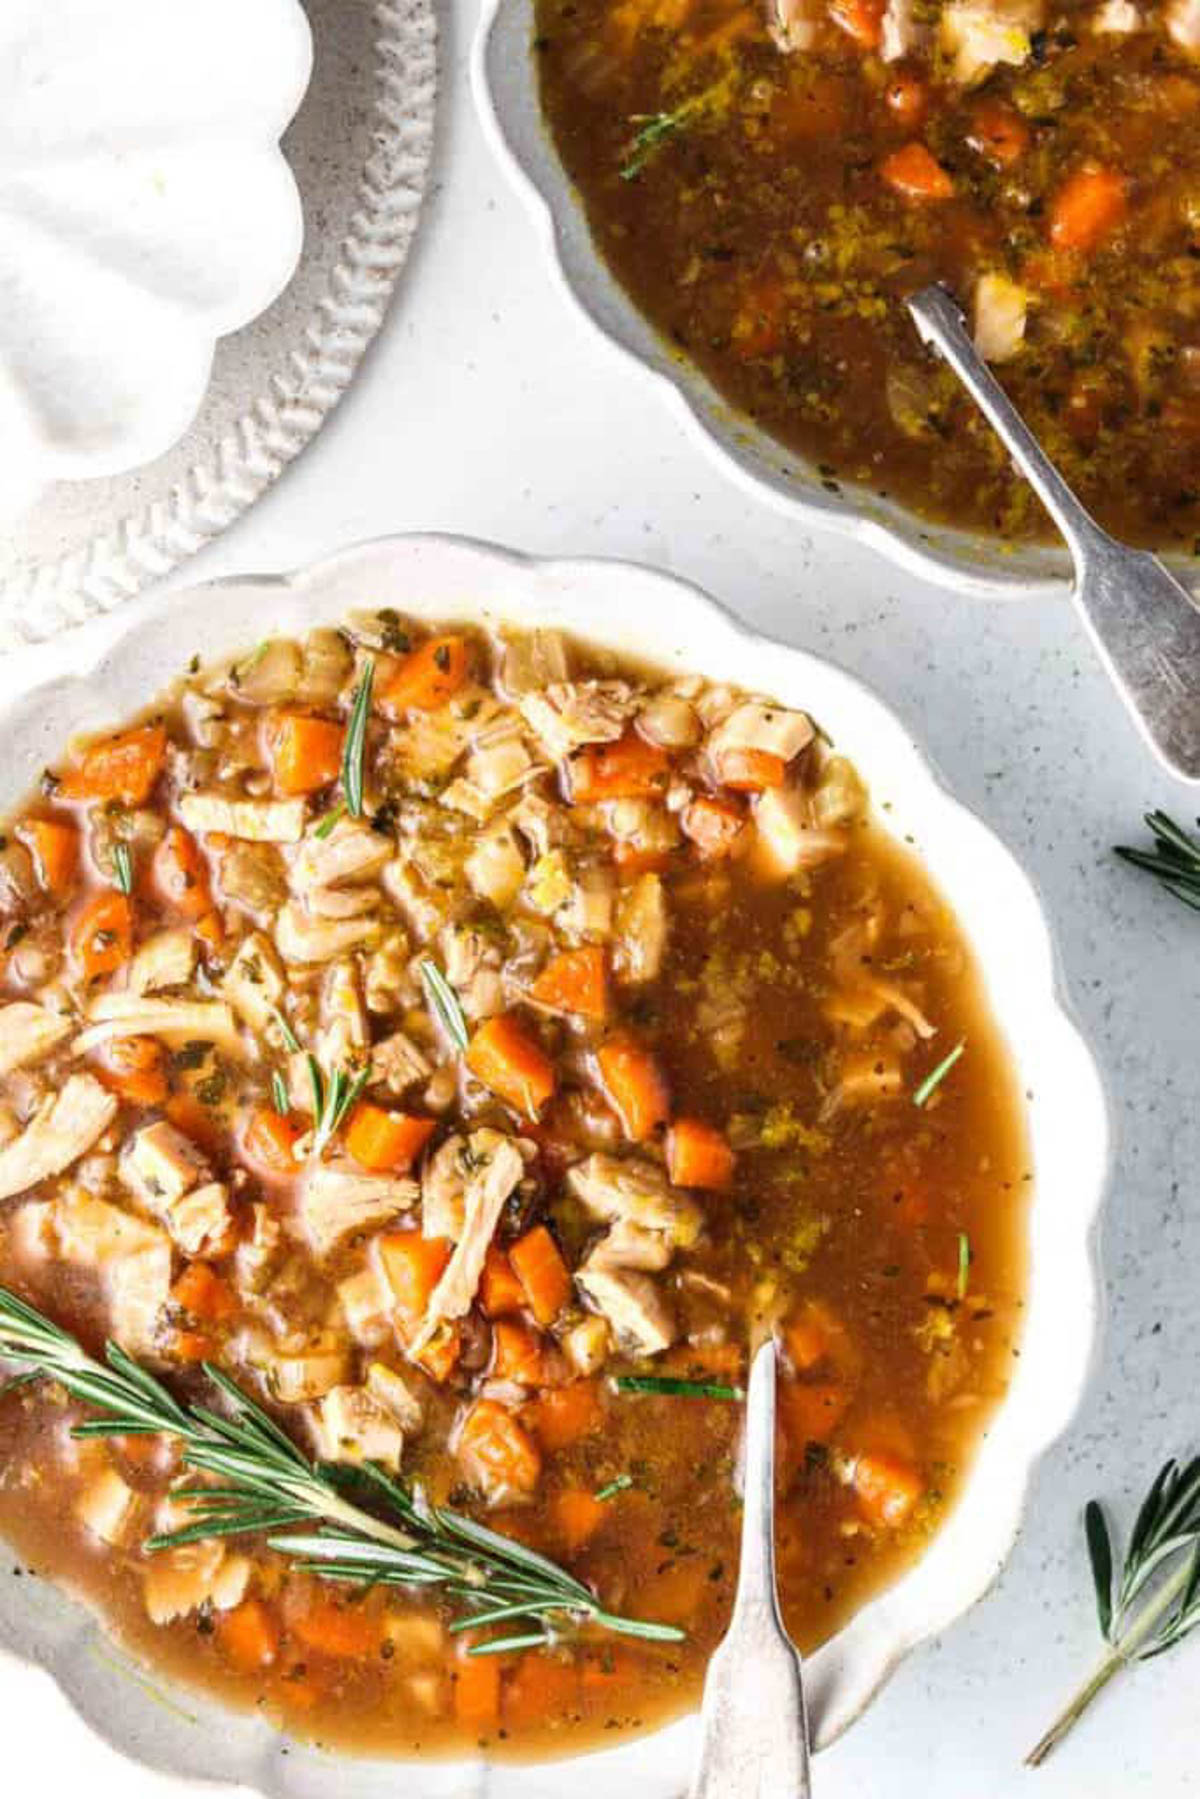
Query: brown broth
<point>847,1219</point>
<point>760,237</point>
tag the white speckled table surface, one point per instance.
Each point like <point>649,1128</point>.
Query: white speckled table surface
<point>489,408</point>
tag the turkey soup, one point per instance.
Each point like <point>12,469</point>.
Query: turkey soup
<point>471,1046</point>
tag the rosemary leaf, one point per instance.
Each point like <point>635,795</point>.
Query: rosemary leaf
<point>934,1080</point>
<point>1174,861</point>
<point>122,868</point>
<point>669,1384</point>
<point>330,819</point>
<point>268,1485</point>
<point>356,742</point>
<point>964,1264</point>
<point>279,1094</point>
<point>619,1485</point>
<point>443,1003</point>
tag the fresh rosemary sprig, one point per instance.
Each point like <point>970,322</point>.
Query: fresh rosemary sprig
<point>354,749</point>
<point>443,1003</point>
<point>122,869</point>
<point>333,1094</point>
<point>934,1079</point>
<point>265,1484</point>
<point>1156,1601</point>
<point>1174,860</point>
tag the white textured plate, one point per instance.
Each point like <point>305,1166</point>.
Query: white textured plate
<point>98,676</point>
<point>360,150</point>
<point>505,78</point>
<point>145,211</point>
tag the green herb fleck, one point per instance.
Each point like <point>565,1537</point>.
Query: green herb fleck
<point>933,1081</point>
<point>619,1485</point>
<point>669,1384</point>
<point>122,868</point>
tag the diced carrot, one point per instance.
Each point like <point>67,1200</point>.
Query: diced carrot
<point>635,1087</point>
<point>477,1692</point>
<point>497,1451</point>
<point>196,1120</point>
<point>249,1636</point>
<point>576,981</point>
<point>385,1142</point>
<point>541,1689</point>
<point>500,1292</point>
<point>816,1335</point>
<point>861,20</point>
<point>101,935</point>
<point>999,133</point>
<point>210,930</point>
<point>698,1155</point>
<point>305,751</point>
<point>751,771</point>
<point>439,1357</point>
<point>758,326</point>
<point>810,1412</point>
<point>121,768</point>
<point>203,1294</point>
<point>180,874</point>
<point>576,1515</point>
<point>887,1488</point>
<point>413,1265</point>
<point>538,1264</point>
<point>506,1058</point>
<point>907,99</point>
<point>714,825</point>
<point>1087,208</point>
<point>136,1068</point>
<point>675,1595</point>
<point>518,1352</point>
<point>430,676</point>
<point>631,862</point>
<point>191,1346</point>
<point>563,1416</point>
<point>629,769</point>
<point>269,1144</point>
<point>345,1631</point>
<point>914,174</point>
<point>54,846</point>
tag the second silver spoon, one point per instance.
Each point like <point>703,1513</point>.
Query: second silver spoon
<point>1143,621</point>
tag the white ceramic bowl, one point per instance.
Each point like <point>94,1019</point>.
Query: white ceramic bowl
<point>505,78</point>
<point>109,669</point>
<point>145,211</point>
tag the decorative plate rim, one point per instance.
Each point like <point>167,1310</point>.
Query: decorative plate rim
<point>88,675</point>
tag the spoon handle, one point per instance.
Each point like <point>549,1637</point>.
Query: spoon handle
<point>1143,621</point>
<point>754,1742</point>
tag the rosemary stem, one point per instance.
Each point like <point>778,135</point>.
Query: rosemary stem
<point>1123,1652</point>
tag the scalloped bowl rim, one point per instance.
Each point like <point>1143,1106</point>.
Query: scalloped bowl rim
<point>105,671</point>
<point>973,563</point>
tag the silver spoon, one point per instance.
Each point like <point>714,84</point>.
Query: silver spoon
<point>754,1731</point>
<point>1143,621</point>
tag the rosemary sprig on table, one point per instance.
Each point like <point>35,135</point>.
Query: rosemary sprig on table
<point>333,1094</point>
<point>265,1484</point>
<point>1174,860</point>
<point>443,1003</point>
<point>1156,1601</point>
